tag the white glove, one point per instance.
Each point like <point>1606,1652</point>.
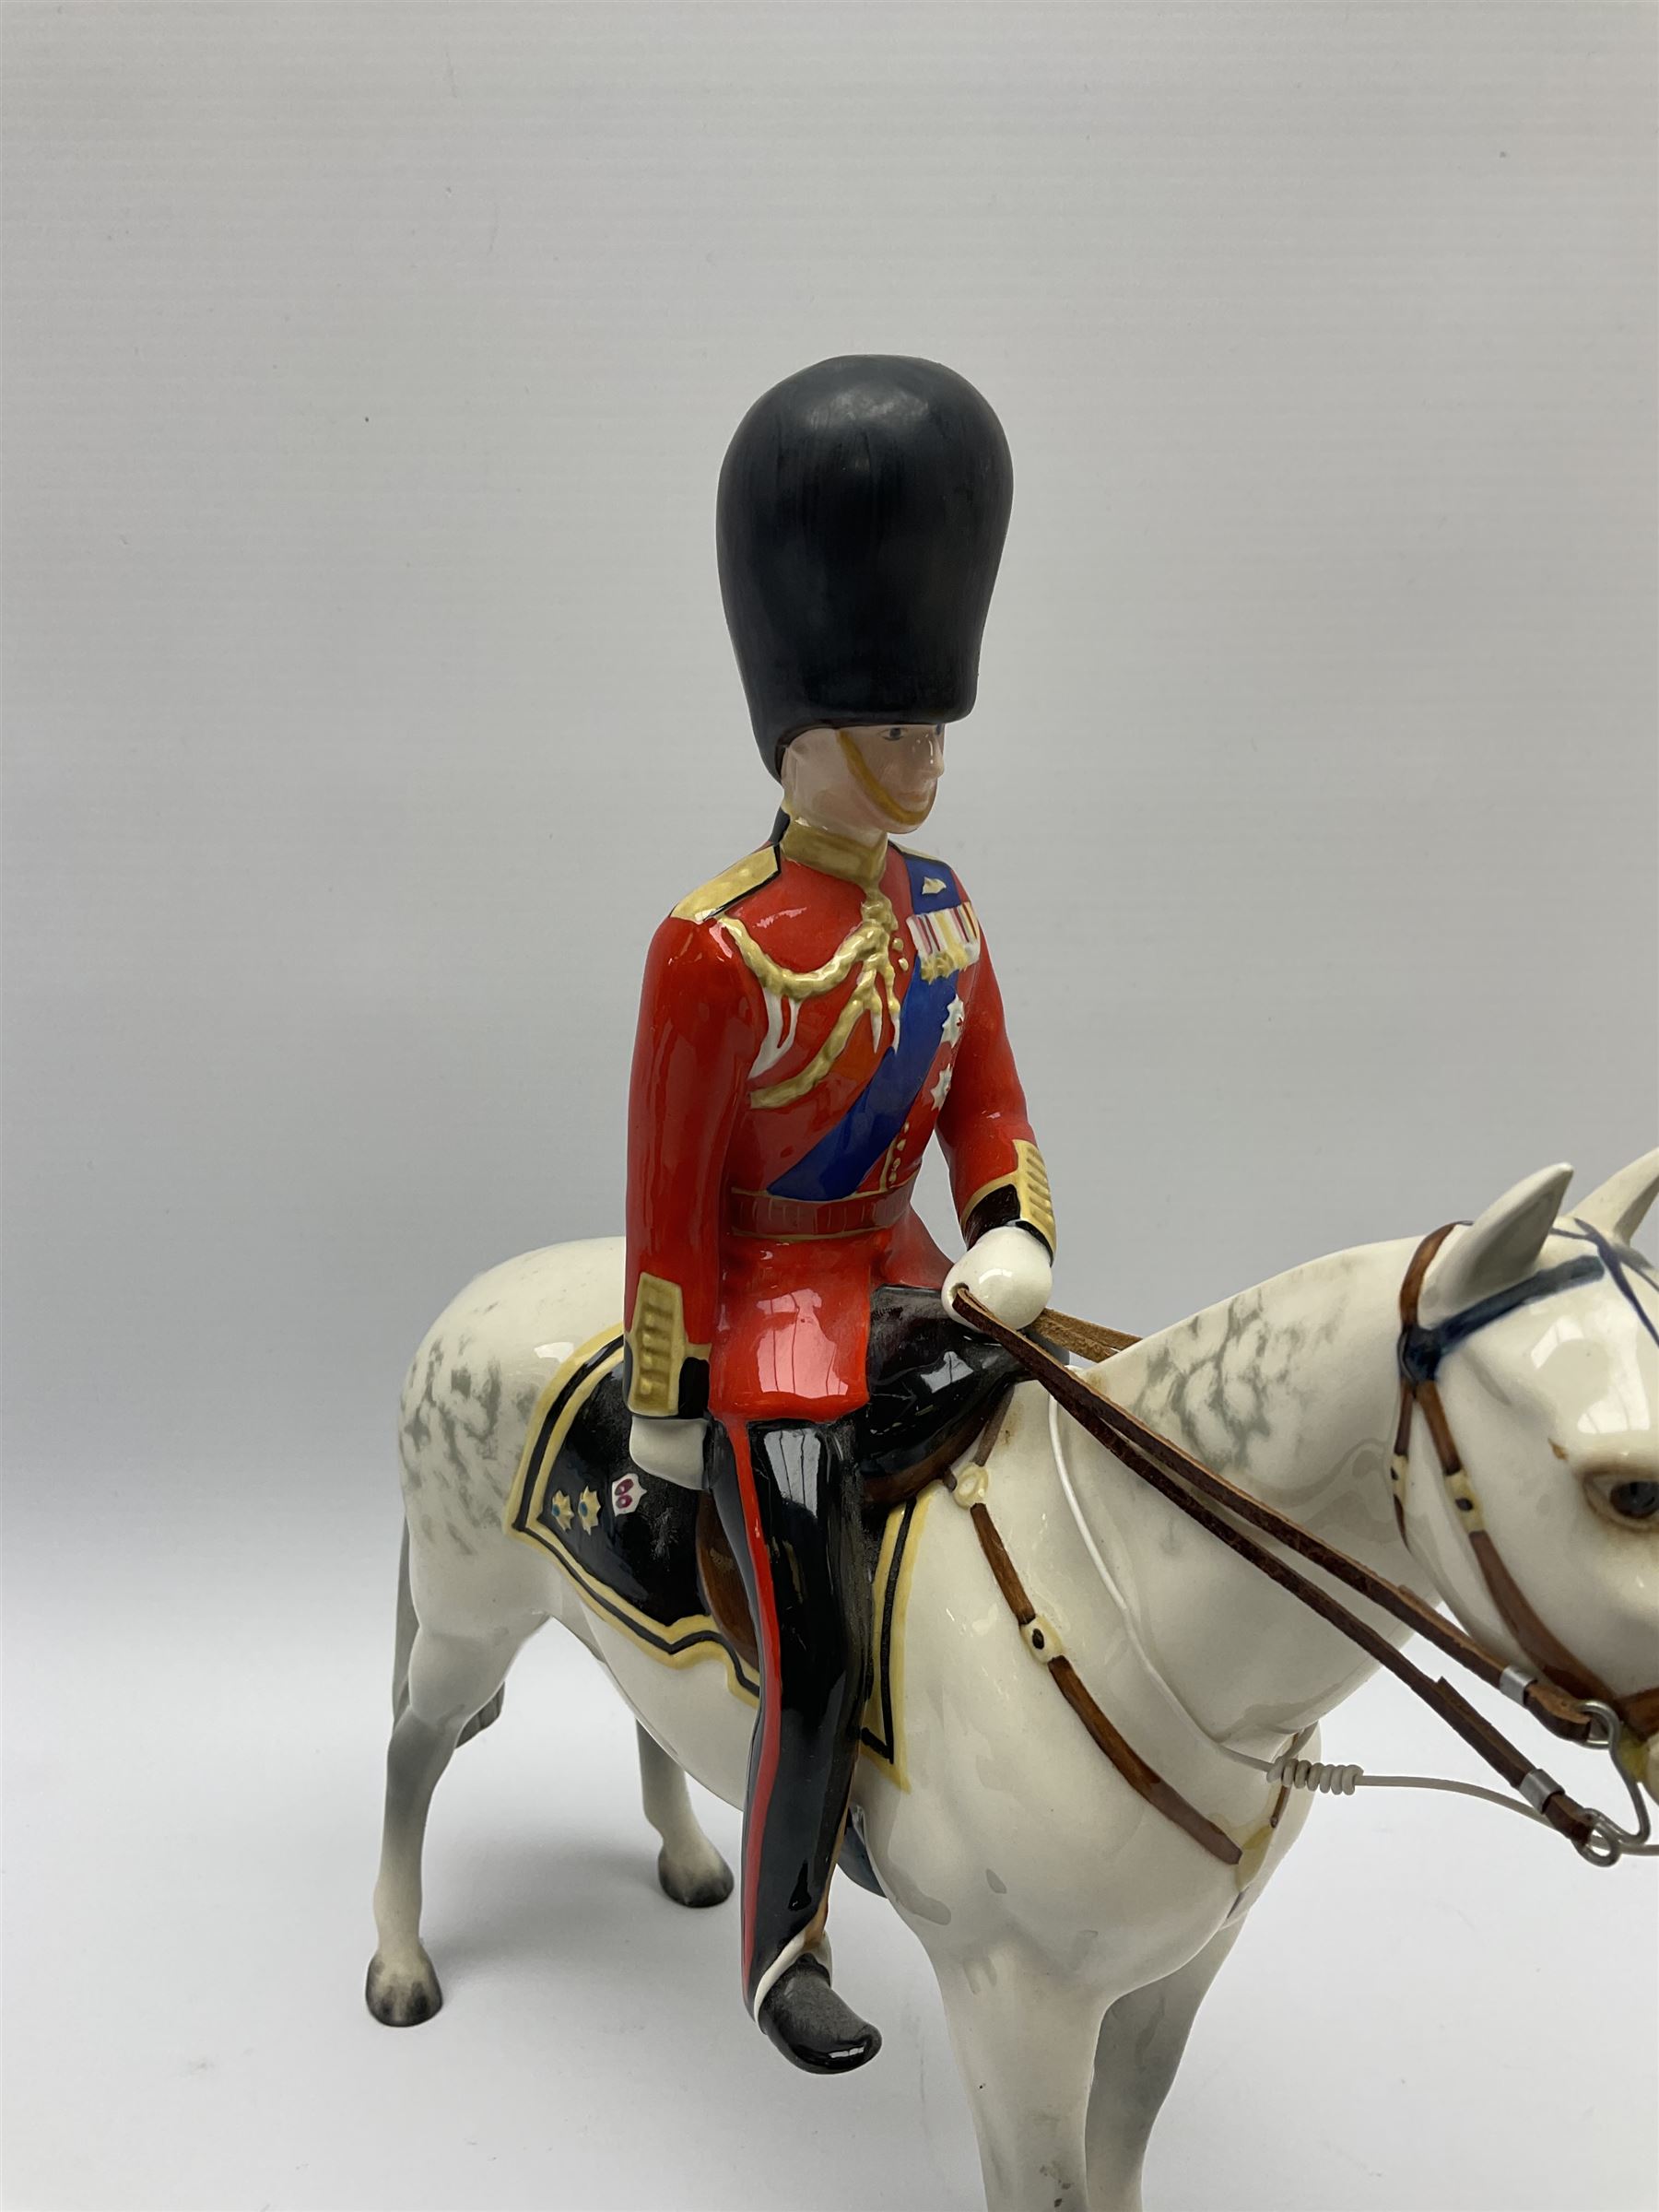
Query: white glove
<point>1008,1271</point>
<point>668,1448</point>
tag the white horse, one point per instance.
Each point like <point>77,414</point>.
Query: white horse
<point>1072,1927</point>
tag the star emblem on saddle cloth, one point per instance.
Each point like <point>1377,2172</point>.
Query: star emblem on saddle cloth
<point>563,1512</point>
<point>954,1014</point>
<point>587,1511</point>
<point>940,1088</point>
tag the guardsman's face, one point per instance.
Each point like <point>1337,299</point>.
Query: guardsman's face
<point>868,780</point>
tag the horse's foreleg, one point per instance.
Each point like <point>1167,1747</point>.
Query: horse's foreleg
<point>448,1679</point>
<point>1025,2042</point>
<point>1142,2039</point>
<point>689,1867</point>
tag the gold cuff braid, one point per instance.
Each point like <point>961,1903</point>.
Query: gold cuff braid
<point>657,1346</point>
<point>1029,1185</point>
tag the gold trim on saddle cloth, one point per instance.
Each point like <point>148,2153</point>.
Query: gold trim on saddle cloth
<point>694,1636</point>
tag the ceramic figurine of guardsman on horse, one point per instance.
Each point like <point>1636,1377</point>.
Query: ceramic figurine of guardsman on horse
<point>1040,1652</point>
<point>810,1019</point>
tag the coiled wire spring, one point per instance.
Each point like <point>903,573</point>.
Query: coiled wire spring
<point>1317,1776</point>
<point>1325,1778</point>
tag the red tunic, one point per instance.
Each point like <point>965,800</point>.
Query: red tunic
<point>808,1021</point>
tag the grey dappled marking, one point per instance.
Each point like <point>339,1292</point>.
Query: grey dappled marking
<point>452,1436</point>
<point>1214,1396</point>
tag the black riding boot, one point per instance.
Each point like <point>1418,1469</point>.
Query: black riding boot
<point>788,1495</point>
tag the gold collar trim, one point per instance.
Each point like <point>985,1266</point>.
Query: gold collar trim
<point>835,855</point>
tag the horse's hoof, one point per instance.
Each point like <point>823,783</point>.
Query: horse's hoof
<point>402,2000</point>
<point>708,1882</point>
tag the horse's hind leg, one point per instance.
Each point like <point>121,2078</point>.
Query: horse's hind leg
<point>1142,2039</point>
<point>448,1679</point>
<point>689,1867</point>
<point>408,1623</point>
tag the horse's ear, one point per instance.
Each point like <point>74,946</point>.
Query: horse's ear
<point>1501,1247</point>
<point>1619,1206</point>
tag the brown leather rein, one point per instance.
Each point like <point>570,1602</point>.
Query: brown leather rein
<point>1565,1695</point>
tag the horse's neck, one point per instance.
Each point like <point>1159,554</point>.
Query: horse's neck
<point>1289,1391</point>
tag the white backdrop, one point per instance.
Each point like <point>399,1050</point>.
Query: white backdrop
<point>367,371</point>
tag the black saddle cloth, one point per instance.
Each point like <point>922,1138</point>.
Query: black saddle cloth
<point>631,1543</point>
<point>932,1381</point>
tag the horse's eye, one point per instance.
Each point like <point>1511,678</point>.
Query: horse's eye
<point>1625,1499</point>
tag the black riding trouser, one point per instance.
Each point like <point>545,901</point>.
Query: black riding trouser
<point>788,1494</point>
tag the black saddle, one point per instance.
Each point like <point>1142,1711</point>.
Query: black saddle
<point>931,1380</point>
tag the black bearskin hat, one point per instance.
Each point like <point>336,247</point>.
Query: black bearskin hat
<point>861,516</point>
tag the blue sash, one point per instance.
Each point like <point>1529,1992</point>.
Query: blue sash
<point>839,1163</point>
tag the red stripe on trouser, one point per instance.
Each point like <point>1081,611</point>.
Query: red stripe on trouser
<point>766,1637</point>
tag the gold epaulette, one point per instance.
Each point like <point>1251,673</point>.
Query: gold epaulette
<point>731,884</point>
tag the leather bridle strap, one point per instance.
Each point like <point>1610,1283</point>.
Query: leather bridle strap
<point>1422,1351</point>
<point>1042,1642</point>
<point>1560,1712</point>
<point>1143,1779</point>
<point>1170,1470</point>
